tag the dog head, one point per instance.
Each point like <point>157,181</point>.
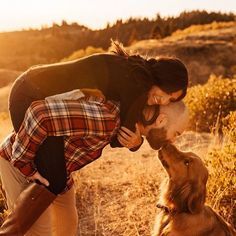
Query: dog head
<point>188,175</point>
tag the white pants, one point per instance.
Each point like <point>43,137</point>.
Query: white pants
<point>60,219</point>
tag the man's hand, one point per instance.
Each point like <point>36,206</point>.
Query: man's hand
<point>92,92</point>
<point>40,178</point>
<point>128,138</point>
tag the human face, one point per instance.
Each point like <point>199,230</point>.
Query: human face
<point>156,138</point>
<point>161,132</point>
<point>173,131</point>
<point>158,96</point>
<point>159,137</point>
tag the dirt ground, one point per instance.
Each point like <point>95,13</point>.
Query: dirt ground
<point>117,194</point>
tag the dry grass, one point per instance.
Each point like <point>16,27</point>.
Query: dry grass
<point>117,194</point>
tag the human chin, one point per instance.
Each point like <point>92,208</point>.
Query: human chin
<point>156,138</point>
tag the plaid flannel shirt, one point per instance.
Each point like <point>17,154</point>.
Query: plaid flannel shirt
<point>87,125</point>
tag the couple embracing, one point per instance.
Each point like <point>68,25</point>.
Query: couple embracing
<point>65,114</point>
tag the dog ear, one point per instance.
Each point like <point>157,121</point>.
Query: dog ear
<point>196,198</point>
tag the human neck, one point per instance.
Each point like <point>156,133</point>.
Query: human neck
<point>148,112</point>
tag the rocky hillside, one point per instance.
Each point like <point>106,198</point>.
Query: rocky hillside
<point>204,49</point>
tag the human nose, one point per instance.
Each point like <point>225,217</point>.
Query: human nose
<point>157,99</point>
<point>164,101</point>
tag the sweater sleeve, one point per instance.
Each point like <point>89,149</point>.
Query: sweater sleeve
<point>131,115</point>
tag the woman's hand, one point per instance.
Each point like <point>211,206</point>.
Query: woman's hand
<point>128,138</point>
<point>40,178</point>
<point>92,92</point>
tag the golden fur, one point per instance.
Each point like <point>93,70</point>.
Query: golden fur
<point>184,212</point>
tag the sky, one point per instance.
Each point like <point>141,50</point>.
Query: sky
<point>19,14</point>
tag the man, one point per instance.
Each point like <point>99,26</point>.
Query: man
<point>87,125</point>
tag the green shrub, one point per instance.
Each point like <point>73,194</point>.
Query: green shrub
<point>203,27</point>
<point>210,103</point>
<point>221,163</point>
<point>229,126</point>
<point>83,52</point>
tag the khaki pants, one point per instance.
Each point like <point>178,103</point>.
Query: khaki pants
<point>59,219</point>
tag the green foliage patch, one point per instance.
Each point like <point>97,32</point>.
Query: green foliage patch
<point>221,163</point>
<point>210,103</point>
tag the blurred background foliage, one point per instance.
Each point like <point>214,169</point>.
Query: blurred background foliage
<point>52,44</point>
<point>210,103</point>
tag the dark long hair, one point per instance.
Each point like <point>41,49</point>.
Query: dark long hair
<point>138,64</point>
<point>168,73</point>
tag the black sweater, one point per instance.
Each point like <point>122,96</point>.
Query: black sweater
<point>108,72</point>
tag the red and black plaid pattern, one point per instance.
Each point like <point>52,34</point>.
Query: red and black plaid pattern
<point>87,125</point>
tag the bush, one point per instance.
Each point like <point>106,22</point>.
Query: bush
<point>83,52</point>
<point>209,104</point>
<point>206,27</point>
<point>221,163</point>
<point>229,127</point>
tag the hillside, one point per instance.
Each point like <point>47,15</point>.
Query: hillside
<point>22,49</point>
<point>117,194</point>
<point>205,50</point>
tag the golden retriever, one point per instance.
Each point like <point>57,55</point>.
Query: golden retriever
<point>184,212</point>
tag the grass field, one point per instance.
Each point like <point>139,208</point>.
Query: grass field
<point>117,194</point>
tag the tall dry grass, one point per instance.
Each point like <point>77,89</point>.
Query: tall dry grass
<point>117,194</point>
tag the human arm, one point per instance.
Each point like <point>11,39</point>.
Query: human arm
<point>76,94</point>
<point>129,139</point>
<point>6,153</point>
<point>37,177</point>
<point>87,117</point>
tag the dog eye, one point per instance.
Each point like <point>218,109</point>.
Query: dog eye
<point>186,162</point>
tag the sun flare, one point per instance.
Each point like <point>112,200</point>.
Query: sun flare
<point>15,14</point>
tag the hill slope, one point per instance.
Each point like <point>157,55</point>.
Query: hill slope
<point>204,49</point>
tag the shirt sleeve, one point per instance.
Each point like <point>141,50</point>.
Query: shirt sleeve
<point>58,118</point>
<point>6,147</point>
<point>71,95</point>
<point>29,137</point>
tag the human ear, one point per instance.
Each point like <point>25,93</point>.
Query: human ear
<point>161,120</point>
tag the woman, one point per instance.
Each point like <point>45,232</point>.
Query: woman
<point>131,80</point>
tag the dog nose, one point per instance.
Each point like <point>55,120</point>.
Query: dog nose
<point>167,146</point>
<point>160,154</point>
